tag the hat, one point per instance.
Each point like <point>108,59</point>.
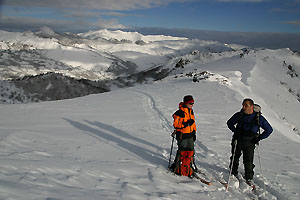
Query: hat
<point>188,99</point>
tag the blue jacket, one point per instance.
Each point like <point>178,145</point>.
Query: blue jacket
<point>241,122</point>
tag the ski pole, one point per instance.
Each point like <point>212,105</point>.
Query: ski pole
<point>171,149</point>
<point>261,171</point>
<point>231,164</point>
<point>196,169</point>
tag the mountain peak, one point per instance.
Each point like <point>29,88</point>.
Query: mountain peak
<point>45,32</point>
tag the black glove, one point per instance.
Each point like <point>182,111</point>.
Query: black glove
<point>188,123</point>
<point>191,121</point>
<point>194,137</point>
<point>178,135</point>
<point>255,140</point>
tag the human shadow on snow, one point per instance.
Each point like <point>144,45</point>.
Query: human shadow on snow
<point>121,140</point>
<point>123,134</point>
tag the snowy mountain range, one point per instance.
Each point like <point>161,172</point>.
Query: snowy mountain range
<point>116,145</point>
<point>94,55</point>
<point>113,58</point>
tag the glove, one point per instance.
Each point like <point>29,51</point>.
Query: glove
<point>188,122</point>
<point>174,133</point>
<point>194,137</point>
<point>178,136</point>
<point>255,140</point>
<point>191,121</point>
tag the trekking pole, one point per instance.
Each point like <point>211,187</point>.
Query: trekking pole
<point>258,155</point>
<point>261,171</point>
<point>196,169</point>
<point>171,149</point>
<point>231,164</point>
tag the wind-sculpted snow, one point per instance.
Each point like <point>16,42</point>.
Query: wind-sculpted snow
<point>116,145</point>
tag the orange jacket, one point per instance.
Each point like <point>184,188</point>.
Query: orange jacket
<point>181,116</point>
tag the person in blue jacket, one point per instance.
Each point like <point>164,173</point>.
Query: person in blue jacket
<point>245,126</point>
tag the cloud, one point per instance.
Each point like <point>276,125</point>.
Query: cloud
<point>74,13</point>
<point>254,1</point>
<point>279,10</point>
<point>293,22</point>
<point>29,23</point>
<point>92,4</point>
<point>252,39</point>
<point>111,24</point>
<point>118,14</point>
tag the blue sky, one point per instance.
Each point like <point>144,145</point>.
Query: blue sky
<point>217,15</point>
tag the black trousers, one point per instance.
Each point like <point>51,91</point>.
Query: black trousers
<point>246,147</point>
<point>186,144</point>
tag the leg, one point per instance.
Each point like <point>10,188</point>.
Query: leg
<point>248,156</point>
<point>182,145</point>
<point>236,158</point>
<point>176,160</point>
<point>186,144</point>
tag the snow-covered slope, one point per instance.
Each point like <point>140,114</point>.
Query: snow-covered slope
<point>116,145</point>
<point>271,77</point>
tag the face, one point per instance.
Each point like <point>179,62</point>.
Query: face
<point>190,105</point>
<point>247,108</point>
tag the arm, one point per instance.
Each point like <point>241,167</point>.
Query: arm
<point>233,121</point>
<point>264,124</point>
<point>178,119</point>
<point>177,122</point>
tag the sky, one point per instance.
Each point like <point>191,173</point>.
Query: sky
<point>215,15</point>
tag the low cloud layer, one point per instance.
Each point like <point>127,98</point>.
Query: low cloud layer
<point>92,4</point>
<point>256,40</point>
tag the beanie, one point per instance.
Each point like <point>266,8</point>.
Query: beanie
<point>188,99</point>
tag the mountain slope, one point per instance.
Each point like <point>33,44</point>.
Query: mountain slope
<point>270,77</point>
<point>116,145</point>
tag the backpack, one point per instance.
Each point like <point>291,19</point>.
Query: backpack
<point>257,110</point>
<point>183,167</point>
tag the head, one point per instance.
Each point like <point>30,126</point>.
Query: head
<point>248,105</point>
<point>188,101</point>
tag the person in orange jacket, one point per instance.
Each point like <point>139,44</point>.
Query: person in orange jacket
<point>185,126</point>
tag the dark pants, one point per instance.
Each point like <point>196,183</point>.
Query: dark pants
<point>186,144</point>
<point>246,147</point>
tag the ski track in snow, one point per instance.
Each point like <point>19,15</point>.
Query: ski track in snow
<point>166,124</point>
